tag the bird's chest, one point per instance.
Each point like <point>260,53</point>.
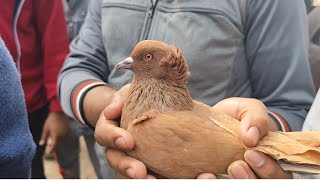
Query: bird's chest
<point>141,101</point>
<point>152,96</point>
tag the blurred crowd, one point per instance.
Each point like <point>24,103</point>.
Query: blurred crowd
<point>38,34</point>
<point>57,59</point>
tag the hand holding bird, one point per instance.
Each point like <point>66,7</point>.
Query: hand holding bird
<point>178,137</point>
<point>123,164</point>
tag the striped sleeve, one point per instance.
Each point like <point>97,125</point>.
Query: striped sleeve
<point>280,121</point>
<point>77,96</point>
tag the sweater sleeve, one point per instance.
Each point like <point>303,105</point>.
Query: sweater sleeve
<point>51,25</point>
<point>16,144</point>
<point>277,51</point>
<point>86,65</point>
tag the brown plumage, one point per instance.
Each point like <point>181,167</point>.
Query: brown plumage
<point>177,137</point>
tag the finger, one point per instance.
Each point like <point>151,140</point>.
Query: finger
<point>126,165</point>
<point>109,135</point>
<point>206,176</point>
<point>52,145</point>
<point>150,177</point>
<point>253,116</point>
<point>264,166</point>
<point>254,121</point>
<point>113,111</point>
<point>120,176</point>
<point>44,137</point>
<point>252,128</point>
<point>240,170</point>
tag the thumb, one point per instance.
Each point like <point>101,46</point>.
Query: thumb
<point>113,110</point>
<point>253,116</point>
<point>44,137</point>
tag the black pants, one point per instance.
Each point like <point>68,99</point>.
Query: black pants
<point>36,122</point>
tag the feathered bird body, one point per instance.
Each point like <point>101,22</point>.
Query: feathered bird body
<point>184,144</point>
<point>173,129</point>
<point>177,137</point>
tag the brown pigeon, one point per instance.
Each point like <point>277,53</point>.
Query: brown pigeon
<point>177,137</point>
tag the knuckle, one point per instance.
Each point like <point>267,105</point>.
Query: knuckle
<point>257,102</point>
<point>123,165</point>
<point>103,138</point>
<point>97,138</point>
<point>111,162</point>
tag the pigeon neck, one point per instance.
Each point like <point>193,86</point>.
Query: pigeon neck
<point>161,95</point>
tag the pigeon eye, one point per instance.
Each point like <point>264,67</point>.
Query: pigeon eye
<point>148,57</point>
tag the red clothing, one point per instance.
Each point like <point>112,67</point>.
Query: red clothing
<point>42,35</point>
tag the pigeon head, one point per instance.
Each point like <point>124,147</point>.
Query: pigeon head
<point>155,59</point>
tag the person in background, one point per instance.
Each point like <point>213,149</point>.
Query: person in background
<point>69,151</point>
<point>312,122</point>
<point>17,146</point>
<point>248,49</point>
<point>314,46</point>
<point>32,30</point>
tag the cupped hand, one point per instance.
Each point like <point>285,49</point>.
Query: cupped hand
<point>56,128</point>
<point>253,126</point>
<point>117,140</point>
<point>255,123</point>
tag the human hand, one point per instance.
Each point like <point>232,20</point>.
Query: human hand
<point>255,123</point>
<point>257,165</point>
<point>117,140</point>
<point>56,127</point>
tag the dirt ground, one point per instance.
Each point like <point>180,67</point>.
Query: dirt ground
<point>86,169</point>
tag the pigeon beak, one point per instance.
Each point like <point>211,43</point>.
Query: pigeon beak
<point>125,64</point>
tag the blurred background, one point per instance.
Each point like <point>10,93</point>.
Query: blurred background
<point>86,168</point>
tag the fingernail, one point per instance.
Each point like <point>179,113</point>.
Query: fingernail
<point>41,142</point>
<point>254,134</point>
<point>254,158</point>
<point>120,143</point>
<point>150,177</point>
<point>206,176</point>
<point>130,172</point>
<point>238,172</point>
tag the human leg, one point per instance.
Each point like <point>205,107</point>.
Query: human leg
<point>106,171</point>
<point>68,154</point>
<point>36,123</point>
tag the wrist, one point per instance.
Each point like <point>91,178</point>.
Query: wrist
<point>277,122</point>
<point>273,125</point>
<point>94,102</point>
<point>77,98</point>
